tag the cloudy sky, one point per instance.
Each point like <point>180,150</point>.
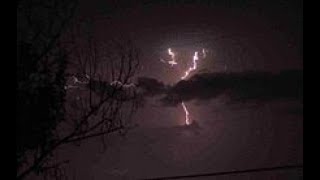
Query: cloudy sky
<point>245,95</point>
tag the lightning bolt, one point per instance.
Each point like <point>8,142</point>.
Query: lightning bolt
<point>161,60</point>
<point>173,61</point>
<point>76,82</point>
<point>204,53</point>
<point>186,74</point>
<point>194,67</point>
<point>187,113</point>
<point>120,84</point>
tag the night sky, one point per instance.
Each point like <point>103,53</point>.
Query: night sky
<point>245,96</point>
<point>239,36</point>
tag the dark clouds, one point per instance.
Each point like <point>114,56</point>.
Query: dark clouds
<point>151,86</point>
<point>244,86</point>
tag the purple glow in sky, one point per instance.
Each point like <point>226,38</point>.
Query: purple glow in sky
<point>225,66</point>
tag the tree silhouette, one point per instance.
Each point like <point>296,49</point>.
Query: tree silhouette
<point>47,66</point>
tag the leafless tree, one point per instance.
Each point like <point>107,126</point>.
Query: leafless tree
<point>100,97</point>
